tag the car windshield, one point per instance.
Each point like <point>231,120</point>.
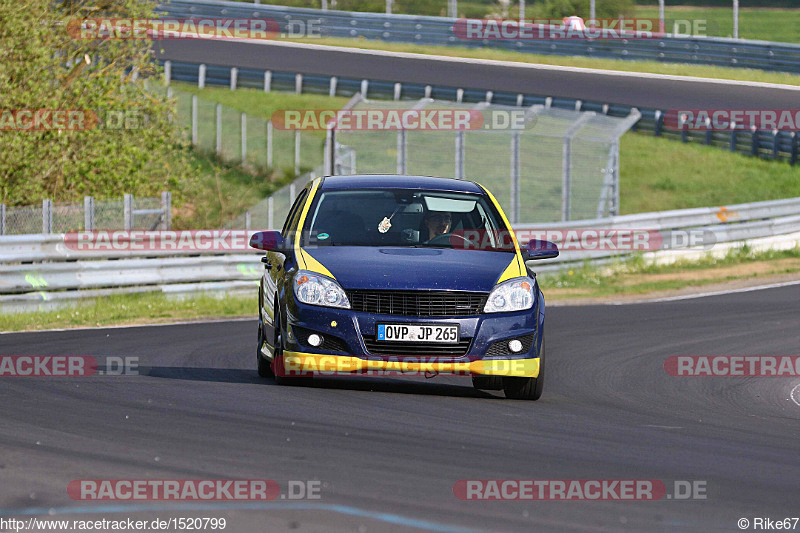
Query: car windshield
<point>406,218</point>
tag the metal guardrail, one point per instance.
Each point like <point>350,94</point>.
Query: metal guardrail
<point>763,55</point>
<point>36,268</point>
<point>773,145</point>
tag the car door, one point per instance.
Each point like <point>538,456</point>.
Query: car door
<point>274,268</point>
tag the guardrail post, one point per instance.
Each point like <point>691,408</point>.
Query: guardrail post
<point>218,136</point>
<point>194,119</point>
<point>489,96</point>
<point>127,210</point>
<point>88,213</point>
<point>578,105</point>
<point>515,177</point>
<point>398,88</point>
<point>520,99</point>
<point>166,210</point>
<point>244,137</point>
<point>793,158</point>
<point>754,142</point>
<point>776,145</point>
<point>234,78</point>
<point>428,89</point>
<point>459,95</point>
<point>269,143</point>
<point>733,137</point>
<point>201,76</point>
<point>460,155</point>
<point>298,83</point>
<point>296,152</point>
<point>659,123</point>
<point>684,133</point>
<point>332,88</point>
<point>267,81</point>
<point>709,132</point>
<point>2,219</point>
<point>47,216</point>
<point>167,72</point>
<point>548,102</point>
<point>364,88</point>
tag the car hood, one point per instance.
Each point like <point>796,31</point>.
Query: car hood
<point>363,267</point>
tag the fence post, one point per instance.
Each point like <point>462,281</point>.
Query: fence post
<point>218,136</point>
<point>267,81</point>
<point>398,88</point>
<point>166,208</point>
<point>402,147</point>
<point>328,158</point>
<point>167,72</point>
<point>234,78</point>
<point>269,143</point>
<point>292,193</point>
<point>127,209</point>
<point>247,220</point>
<point>298,83</point>
<point>296,152</point>
<point>88,213</point>
<point>515,174</point>
<point>364,88</point>
<point>194,119</point>
<point>332,88</point>
<point>244,138</point>
<point>271,213</point>
<point>2,219</point>
<point>201,76</point>
<point>47,216</point>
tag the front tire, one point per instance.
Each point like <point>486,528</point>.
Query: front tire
<point>526,388</point>
<point>264,367</point>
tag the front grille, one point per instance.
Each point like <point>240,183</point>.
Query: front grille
<point>416,348</point>
<point>501,347</point>
<point>417,303</point>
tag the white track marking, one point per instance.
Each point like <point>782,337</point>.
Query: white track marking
<point>795,395</point>
<point>516,64</point>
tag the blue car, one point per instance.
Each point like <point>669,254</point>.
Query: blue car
<point>401,275</point>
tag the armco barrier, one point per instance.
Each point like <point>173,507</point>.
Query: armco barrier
<point>762,55</point>
<point>35,269</point>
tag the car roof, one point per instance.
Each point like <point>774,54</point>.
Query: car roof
<point>394,181</point>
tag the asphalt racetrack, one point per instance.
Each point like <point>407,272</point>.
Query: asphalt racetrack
<point>388,452</point>
<point>647,91</point>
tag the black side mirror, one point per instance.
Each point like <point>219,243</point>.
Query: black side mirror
<point>539,249</point>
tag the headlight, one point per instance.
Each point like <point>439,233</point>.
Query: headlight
<point>512,295</point>
<point>314,289</point>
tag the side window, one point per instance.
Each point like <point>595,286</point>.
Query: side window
<point>294,214</point>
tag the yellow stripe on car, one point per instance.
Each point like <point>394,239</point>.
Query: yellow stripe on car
<point>305,260</point>
<point>301,362</point>
<point>516,268</point>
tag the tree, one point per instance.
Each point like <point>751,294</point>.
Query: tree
<point>132,148</point>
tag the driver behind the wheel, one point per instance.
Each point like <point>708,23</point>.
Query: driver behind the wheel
<point>437,223</point>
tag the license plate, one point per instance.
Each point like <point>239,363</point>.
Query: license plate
<point>447,333</point>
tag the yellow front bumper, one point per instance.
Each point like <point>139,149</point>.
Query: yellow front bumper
<point>303,363</point>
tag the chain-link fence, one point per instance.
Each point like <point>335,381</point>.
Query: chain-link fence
<point>127,213</point>
<point>542,164</point>
<point>244,138</point>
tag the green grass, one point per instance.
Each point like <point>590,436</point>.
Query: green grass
<point>590,281</point>
<point>677,69</point>
<point>660,174</point>
<point>781,25</point>
<point>131,309</point>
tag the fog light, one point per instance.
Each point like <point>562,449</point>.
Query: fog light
<point>315,340</point>
<point>515,346</point>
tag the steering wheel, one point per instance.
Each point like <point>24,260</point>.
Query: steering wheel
<point>444,238</point>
